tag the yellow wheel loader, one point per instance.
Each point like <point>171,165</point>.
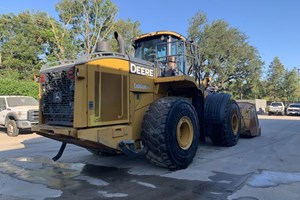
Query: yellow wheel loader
<point>112,103</point>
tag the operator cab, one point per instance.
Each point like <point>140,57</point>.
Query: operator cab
<point>171,52</point>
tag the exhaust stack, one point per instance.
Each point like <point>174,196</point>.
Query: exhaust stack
<point>120,40</point>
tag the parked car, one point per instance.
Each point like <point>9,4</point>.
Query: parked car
<point>276,108</point>
<point>293,109</point>
<point>18,112</point>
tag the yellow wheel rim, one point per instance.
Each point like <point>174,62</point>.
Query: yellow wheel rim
<point>235,124</point>
<point>185,132</point>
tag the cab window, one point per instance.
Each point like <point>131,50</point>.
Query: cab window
<point>161,52</point>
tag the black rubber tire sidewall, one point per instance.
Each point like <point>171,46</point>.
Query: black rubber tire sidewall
<point>232,139</point>
<point>15,128</point>
<point>222,134</point>
<point>179,156</point>
<point>159,135</point>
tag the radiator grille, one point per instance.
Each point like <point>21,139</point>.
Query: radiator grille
<point>33,115</point>
<point>58,97</point>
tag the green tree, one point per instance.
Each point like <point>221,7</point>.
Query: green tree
<point>196,27</point>
<point>21,43</point>
<point>128,30</point>
<point>61,43</point>
<point>11,85</point>
<point>275,79</point>
<point>225,56</point>
<point>290,86</point>
<point>89,21</point>
<point>246,83</point>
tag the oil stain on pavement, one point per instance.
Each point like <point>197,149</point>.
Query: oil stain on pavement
<point>38,178</point>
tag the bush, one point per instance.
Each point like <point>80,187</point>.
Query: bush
<point>12,86</point>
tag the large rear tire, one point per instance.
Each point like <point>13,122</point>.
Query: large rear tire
<point>170,133</point>
<point>225,129</point>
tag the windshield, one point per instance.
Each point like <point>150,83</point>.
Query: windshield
<point>276,104</point>
<point>167,51</point>
<point>147,50</point>
<point>295,106</point>
<point>21,101</point>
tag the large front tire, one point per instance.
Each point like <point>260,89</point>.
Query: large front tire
<point>170,133</point>
<point>12,129</point>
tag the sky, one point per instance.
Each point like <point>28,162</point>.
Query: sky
<point>272,26</point>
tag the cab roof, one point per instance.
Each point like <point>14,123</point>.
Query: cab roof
<point>158,33</point>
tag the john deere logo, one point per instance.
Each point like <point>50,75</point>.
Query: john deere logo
<point>134,69</point>
<point>57,97</point>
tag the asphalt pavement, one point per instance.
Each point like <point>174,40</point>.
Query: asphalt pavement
<point>265,167</point>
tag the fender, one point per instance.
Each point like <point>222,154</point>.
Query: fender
<point>11,115</point>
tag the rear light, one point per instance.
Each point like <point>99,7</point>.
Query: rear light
<point>70,74</point>
<point>42,78</point>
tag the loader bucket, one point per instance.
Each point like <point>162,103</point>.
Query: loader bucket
<point>249,120</point>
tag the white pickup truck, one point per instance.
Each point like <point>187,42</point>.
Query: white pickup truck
<point>18,112</point>
<point>276,108</point>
